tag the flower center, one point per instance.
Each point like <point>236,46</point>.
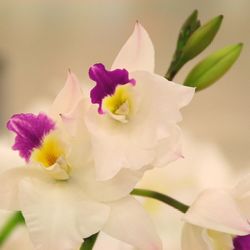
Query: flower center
<point>48,153</point>
<point>119,105</point>
<point>242,242</point>
<point>112,91</point>
<point>220,240</point>
<point>51,156</point>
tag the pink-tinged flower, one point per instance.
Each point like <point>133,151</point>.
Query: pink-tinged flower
<point>57,190</point>
<point>133,117</point>
<point>219,219</point>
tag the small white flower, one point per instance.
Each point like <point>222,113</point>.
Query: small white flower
<point>219,219</point>
<point>134,124</point>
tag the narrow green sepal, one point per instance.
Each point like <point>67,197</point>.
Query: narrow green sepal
<point>188,28</point>
<point>213,67</point>
<point>201,38</point>
<point>191,24</point>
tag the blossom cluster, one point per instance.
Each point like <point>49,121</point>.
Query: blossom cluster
<point>86,154</point>
<point>83,158</point>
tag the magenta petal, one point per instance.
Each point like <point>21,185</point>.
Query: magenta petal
<point>30,130</point>
<point>242,242</point>
<point>106,82</point>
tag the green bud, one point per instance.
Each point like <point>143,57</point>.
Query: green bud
<point>213,67</point>
<point>201,38</point>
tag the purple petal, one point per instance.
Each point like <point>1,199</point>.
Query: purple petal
<point>242,242</point>
<point>30,130</point>
<point>106,82</point>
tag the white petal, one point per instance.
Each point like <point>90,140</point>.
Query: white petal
<point>137,53</point>
<point>73,121</point>
<point>58,216</point>
<point>115,146</point>
<point>117,187</point>
<point>139,143</point>
<point>241,193</point>
<point>216,209</point>
<point>104,242</point>
<point>193,238</point>
<point>113,152</point>
<point>9,183</point>
<point>68,97</point>
<point>242,189</point>
<point>129,222</point>
<point>161,98</point>
<point>9,157</point>
<point>169,149</point>
<point>20,237</point>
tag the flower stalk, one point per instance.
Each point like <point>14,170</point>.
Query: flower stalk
<point>161,197</point>
<point>14,220</point>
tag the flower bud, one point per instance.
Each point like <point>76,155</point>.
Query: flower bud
<point>213,67</point>
<point>201,38</point>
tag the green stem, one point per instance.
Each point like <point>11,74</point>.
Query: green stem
<point>174,68</point>
<point>161,197</point>
<point>89,242</point>
<point>14,220</point>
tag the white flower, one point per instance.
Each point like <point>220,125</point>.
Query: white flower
<point>57,191</point>
<point>203,167</point>
<point>219,219</point>
<point>20,236</point>
<point>134,124</point>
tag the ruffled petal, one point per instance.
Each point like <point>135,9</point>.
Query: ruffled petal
<point>194,238</point>
<point>216,209</point>
<point>149,137</point>
<point>137,53</point>
<point>58,215</point>
<point>170,148</point>
<point>114,149</point>
<point>30,130</point>
<point>68,97</point>
<point>241,193</point>
<point>9,191</point>
<point>158,98</point>
<point>129,222</point>
<point>110,190</point>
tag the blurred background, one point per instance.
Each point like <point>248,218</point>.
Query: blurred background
<point>40,40</point>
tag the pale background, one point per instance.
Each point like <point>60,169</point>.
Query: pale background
<point>39,40</point>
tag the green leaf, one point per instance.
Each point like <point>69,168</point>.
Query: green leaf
<point>201,38</point>
<point>213,67</point>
